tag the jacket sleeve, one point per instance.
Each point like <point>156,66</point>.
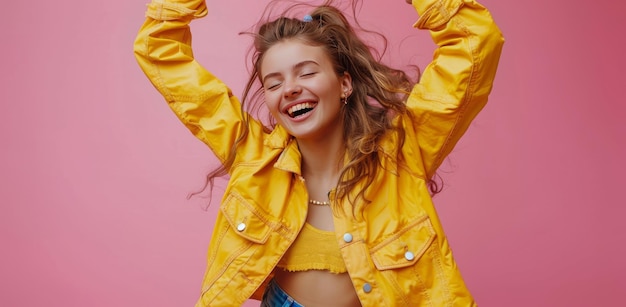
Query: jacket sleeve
<point>202,102</point>
<point>454,87</point>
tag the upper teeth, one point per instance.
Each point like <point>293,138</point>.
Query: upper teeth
<point>305,105</point>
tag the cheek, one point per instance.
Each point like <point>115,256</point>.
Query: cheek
<point>271,102</point>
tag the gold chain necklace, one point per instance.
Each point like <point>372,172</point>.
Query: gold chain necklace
<point>316,202</point>
<point>319,203</point>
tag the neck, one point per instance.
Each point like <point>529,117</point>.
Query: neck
<point>322,162</point>
<point>322,159</point>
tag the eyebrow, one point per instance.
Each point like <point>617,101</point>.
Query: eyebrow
<point>295,67</point>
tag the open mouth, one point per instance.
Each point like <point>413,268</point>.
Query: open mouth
<point>300,109</point>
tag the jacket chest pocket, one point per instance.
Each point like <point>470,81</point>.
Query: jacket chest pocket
<point>410,261</point>
<point>406,247</point>
<point>246,220</point>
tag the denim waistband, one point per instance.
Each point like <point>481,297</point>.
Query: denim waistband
<point>274,296</point>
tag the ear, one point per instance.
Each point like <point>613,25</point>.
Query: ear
<point>346,83</point>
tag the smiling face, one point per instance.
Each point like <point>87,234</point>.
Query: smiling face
<point>303,91</point>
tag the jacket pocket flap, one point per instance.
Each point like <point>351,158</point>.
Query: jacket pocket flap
<point>245,219</point>
<point>405,247</point>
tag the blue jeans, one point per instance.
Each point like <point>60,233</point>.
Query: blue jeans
<point>274,296</point>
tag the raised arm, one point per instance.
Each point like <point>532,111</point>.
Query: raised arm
<point>454,87</point>
<point>201,101</point>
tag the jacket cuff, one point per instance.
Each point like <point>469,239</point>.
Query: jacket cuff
<point>172,10</point>
<point>434,14</point>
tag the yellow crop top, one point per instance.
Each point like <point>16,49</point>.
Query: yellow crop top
<point>313,249</point>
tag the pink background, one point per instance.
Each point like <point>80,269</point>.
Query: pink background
<point>95,169</point>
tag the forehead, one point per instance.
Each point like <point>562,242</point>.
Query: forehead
<point>285,55</point>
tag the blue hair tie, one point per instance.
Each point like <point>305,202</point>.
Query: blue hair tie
<point>307,18</point>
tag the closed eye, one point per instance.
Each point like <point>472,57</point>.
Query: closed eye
<point>272,86</point>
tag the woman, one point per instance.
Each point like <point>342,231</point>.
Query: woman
<point>331,205</point>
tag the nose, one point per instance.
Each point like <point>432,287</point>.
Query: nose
<point>292,89</point>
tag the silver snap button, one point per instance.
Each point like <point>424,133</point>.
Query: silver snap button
<point>347,237</point>
<point>241,227</point>
<point>367,288</point>
<point>409,256</point>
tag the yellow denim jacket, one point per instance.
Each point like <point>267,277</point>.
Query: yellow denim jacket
<point>394,249</point>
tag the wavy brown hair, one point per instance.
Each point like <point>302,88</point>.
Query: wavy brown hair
<point>379,91</point>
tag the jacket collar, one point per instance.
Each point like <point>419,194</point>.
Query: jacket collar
<point>290,159</point>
